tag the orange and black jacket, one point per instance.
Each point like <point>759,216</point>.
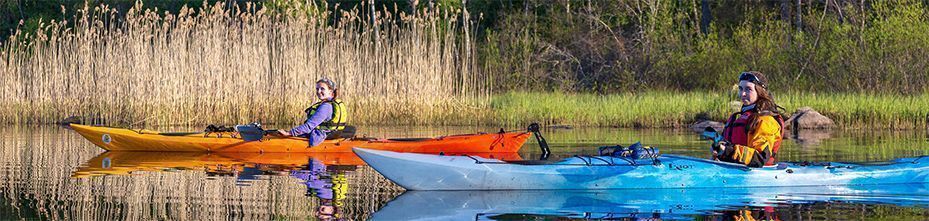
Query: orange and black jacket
<point>754,147</point>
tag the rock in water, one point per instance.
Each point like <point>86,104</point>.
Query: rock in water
<point>701,125</point>
<point>807,118</point>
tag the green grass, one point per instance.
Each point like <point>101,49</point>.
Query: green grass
<point>677,109</point>
<point>865,111</point>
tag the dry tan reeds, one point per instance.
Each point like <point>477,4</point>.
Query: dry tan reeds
<point>217,65</point>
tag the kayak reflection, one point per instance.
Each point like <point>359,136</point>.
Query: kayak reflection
<point>125,163</point>
<point>220,164</point>
<point>652,204</point>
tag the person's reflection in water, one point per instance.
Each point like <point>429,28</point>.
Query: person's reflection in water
<point>750,214</point>
<point>330,186</point>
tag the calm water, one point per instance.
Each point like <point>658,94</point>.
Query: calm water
<point>52,173</point>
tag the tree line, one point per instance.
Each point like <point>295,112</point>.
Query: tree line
<point>621,46</point>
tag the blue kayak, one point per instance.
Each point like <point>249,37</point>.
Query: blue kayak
<point>667,204</point>
<point>434,172</point>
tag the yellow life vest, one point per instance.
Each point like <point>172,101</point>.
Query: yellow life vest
<point>339,188</point>
<point>339,115</point>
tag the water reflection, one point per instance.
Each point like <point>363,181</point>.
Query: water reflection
<point>654,204</point>
<point>325,175</point>
<point>244,166</point>
<point>328,184</point>
<point>51,173</point>
<point>807,139</point>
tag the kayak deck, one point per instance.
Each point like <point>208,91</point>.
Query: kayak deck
<point>434,172</point>
<point>120,139</point>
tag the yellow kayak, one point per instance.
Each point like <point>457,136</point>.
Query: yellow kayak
<point>121,139</point>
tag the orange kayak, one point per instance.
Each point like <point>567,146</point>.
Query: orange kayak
<point>120,139</point>
<point>124,163</point>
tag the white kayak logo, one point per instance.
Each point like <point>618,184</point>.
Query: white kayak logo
<point>106,138</point>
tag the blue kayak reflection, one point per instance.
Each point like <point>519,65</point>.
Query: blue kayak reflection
<point>651,204</point>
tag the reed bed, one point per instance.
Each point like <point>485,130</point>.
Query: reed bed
<point>670,109</point>
<point>216,65</point>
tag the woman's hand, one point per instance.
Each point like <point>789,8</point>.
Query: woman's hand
<point>719,148</point>
<point>283,133</point>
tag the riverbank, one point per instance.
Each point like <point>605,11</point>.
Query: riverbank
<point>227,65</point>
<point>654,109</point>
<point>680,109</point>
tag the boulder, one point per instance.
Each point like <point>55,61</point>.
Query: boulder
<point>807,118</point>
<point>703,124</point>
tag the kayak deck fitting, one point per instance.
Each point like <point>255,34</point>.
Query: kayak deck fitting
<point>120,139</point>
<point>432,172</point>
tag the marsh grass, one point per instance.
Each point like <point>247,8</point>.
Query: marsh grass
<point>216,65</point>
<point>670,109</point>
<point>650,109</point>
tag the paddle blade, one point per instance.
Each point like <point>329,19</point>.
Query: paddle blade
<point>250,132</point>
<point>710,134</point>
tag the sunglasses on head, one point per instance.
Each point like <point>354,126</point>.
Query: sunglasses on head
<point>748,76</point>
<point>331,83</point>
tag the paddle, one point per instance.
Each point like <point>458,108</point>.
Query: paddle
<point>709,133</point>
<point>252,132</point>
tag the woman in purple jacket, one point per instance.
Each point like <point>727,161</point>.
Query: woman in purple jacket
<point>323,118</point>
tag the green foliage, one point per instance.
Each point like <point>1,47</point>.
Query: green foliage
<point>606,47</point>
<point>33,12</point>
<point>670,109</point>
<point>297,8</point>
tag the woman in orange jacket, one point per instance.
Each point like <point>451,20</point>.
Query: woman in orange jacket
<point>753,135</point>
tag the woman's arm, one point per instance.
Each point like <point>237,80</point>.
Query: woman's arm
<point>323,114</point>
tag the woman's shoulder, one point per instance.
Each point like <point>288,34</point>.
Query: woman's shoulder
<point>768,121</point>
<point>319,106</point>
<point>327,105</point>
<point>771,114</point>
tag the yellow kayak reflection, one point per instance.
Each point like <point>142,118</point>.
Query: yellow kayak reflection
<point>125,163</point>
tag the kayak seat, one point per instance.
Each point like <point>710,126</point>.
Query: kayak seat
<point>347,132</point>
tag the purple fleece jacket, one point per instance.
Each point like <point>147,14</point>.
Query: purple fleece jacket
<point>308,128</point>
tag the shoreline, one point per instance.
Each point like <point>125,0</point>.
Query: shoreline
<point>641,110</point>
